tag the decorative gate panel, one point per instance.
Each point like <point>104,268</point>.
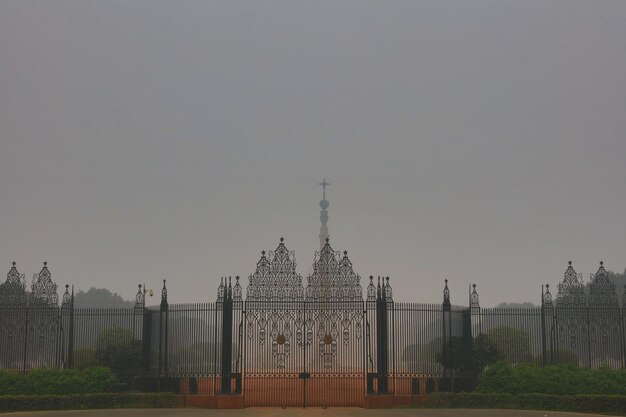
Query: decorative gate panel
<point>30,332</point>
<point>306,344</point>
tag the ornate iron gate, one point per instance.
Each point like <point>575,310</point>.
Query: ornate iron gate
<point>32,325</point>
<point>313,343</point>
<point>308,344</point>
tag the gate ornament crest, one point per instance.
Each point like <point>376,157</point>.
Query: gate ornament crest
<point>474,299</point>
<point>274,302</point>
<point>67,299</point>
<point>13,290</point>
<point>281,313</point>
<point>336,290</point>
<point>333,278</point>
<point>275,277</point>
<point>571,291</point>
<point>44,291</point>
<point>602,290</point>
<point>140,298</point>
<point>571,304</point>
<point>603,308</point>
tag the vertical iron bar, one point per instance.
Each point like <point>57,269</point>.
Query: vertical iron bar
<point>227,340</point>
<point>622,331</point>
<point>25,339</point>
<point>588,337</point>
<point>543,331</point>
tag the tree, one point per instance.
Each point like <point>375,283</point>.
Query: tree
<point>473,359</point>
<point>513,343</point>
<point>421,355</point>
<point>525,304</point>
<point>100,298</point>
<point>119,350</point>
<point>484,352</point>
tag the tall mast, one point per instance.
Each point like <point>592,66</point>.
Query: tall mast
<point>324,215</point>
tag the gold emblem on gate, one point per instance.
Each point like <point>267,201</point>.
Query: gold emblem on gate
<point>328,339</point>
<point>280,339</point>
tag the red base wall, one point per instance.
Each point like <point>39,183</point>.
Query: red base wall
<point>213,401</point>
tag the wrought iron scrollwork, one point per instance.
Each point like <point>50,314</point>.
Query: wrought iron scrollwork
<point>13,301</point>
<point>237,291</point>
<point>371,290</point>
<point>602,290</point>
<point>571,290</point>
<point>473,299</point>
<point>547,297</point>
<point>44,290</point>
<point>164,294</point>
<point>571,306</point>
<point>66,301</point>
<point>274,300</point>
<point>384,291</point>
<point>446,294</point>
<point>282,313</point>
<point>13,290</point>
<point>140,297</point>
<point>221,291</point>
<point>603,308</point>
<point>336,289</point>
<point>388,291</point>
<point>275,277</point>
<point>45,300</point>
<point>333,277</point>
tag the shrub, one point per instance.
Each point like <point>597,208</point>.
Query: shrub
<point>53,381</point>
<point>614,404</point>
<point>513,344</point>
<point>471,359</point>
<point>557,379</point>
<point>119,350</point>
<point>86,401</point>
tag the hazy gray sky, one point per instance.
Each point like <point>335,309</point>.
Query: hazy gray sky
<point>481,141</point>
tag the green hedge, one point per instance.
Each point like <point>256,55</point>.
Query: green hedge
<point>612,404</point>
<point>53,381</point>
<point>86,401</point>
<point>558,379</point>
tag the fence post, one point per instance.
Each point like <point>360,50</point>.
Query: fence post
<point>227,338</point>
<point>389,318</point>
<point>67,326</point>
<point>543,330</point>
<point>473,322</point>
<point>163,334</point>
<point>145,317</point>
<point>237,302</point>
<point>70,347</point>
<point>446,325</point>
<point>623,329</point>
<point>588,335</point>
<point>370,306</point>
<point>382,338</point>
<point>546,308</point>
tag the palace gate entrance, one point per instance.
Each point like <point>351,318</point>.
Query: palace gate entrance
<point>304,346</point>
<point>323,342</point>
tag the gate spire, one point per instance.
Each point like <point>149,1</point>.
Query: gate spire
<point>324,215</point>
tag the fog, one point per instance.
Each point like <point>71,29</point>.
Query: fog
<point>478,141</point>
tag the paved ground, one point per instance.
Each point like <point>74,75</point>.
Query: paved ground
<point>298,412</point>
